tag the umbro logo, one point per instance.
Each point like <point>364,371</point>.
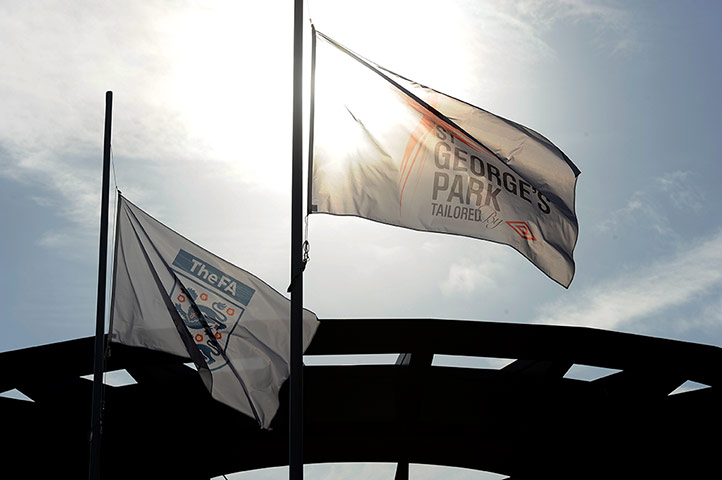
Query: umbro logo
<point>522,228</point>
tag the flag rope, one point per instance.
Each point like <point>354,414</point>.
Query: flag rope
<point>306,246</point>
<point>305,259</point>
<point>112,166</point>
<point>107,348</point>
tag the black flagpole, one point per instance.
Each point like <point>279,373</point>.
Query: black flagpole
<point>295,419</point>
<point>95,432</point>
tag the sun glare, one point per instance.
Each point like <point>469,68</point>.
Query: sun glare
<point>232,77</point>
<point>422,40</point>
<point>232,81</point>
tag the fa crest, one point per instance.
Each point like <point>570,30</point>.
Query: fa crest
<point>220,314</point>
<point>217,300</point>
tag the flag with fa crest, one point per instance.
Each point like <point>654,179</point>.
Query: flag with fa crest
<point>174,296</point>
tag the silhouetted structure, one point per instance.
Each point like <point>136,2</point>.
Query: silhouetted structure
<point>525,420</point>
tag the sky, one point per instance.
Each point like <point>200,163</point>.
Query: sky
<point>202,141</point>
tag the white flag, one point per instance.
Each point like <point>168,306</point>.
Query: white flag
<point>172,295</point>
<point>391,150</point>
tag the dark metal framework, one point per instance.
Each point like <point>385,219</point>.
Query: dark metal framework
<point>526,420</point>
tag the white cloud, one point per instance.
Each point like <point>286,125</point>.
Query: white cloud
<point>712,313</point>
<point>639,206</point>
<point>188,102</point>
<point>682,190</point>
<point>467,277</point>
<point>54,239</point>
<point>652,205</point>
<point>612,26</point>
<point>57,64</point>
<point>634,296</point>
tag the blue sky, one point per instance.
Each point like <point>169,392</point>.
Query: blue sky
<point>201,140</point>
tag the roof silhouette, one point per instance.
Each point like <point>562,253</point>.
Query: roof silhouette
<point>526,420</point>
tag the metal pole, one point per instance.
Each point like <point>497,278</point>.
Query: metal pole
<point>96,422</point>
<point>295,419</point>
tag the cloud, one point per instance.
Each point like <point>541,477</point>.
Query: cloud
<point>57,64</point>
<point>712,313</point>
<point>613,27</point>
<point>182,110</point>
<point>671,194</point>
<point>639,206</point>
<point>499,44</point>
<point>631,297</point>
<point>682,189</point>
<point>467,277</point>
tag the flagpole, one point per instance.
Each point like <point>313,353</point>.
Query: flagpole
<point>295,418</point>
<point>97,402</point>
